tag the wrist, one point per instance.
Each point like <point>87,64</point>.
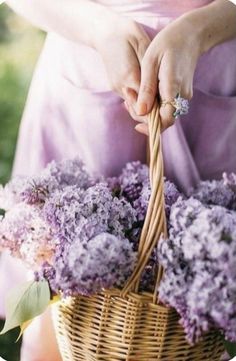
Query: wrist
<point>212,24</point>
<point>107,24</point>
<point>112,26</point>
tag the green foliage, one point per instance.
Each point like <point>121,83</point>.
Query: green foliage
<point>19,49</point>
<point>231,348</point>
<point>9,350</point>
<point>24,303</point>
<point>11,106</point>
<point>4,11</point>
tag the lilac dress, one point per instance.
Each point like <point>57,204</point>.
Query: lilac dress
<point>71,111</point>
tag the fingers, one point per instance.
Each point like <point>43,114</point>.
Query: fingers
<point>142,44</point>
<point>130,107</point>
<point>148,86</point>
<point>138,46</point>
<point>132,112</point>
<point>168,93</point>
<point>142,128</point>
<point>171,83</point>
<point>167,111</point>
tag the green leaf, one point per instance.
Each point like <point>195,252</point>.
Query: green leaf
<point>2,212</point>
<point>231,348</point>
<point>26,302</point>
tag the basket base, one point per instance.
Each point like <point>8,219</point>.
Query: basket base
<point>107,327</point>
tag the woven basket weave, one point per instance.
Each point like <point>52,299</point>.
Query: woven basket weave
<point>118,325</point>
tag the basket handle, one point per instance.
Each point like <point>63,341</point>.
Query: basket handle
<point>155,221</point>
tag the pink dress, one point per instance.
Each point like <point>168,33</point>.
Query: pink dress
<point>71,111</point>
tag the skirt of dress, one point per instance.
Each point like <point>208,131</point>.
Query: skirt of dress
<point>71,111</point>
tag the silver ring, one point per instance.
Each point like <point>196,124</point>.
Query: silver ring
<point>180,104</point>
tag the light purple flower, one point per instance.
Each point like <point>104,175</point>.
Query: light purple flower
<point>200,273</point>
<point>86,268</point>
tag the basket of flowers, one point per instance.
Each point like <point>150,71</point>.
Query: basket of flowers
<point>139,271</point>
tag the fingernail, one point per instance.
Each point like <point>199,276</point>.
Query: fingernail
<point>142,109</point>
<point>139,128</point>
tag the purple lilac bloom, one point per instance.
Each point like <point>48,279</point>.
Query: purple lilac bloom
<point>26,235</point>
<point>135,186</point>
<point>86,268</point>
<point>10,193</point>
<point>132,179</point>
<point>38,189</point>
<point>230,181</point>
<point>54,177</point>
<point>171,194</point>
<point>215,192</point>
<point>69,172</point>
<point>200,273</point>
<point>83,231</point>
<point>83,214</point>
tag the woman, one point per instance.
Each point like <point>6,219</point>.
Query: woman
<point>103,64</point>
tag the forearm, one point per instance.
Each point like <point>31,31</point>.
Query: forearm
<point>77,20</point>
<point>214,23</point>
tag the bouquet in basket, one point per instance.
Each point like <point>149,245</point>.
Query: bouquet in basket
<point>78,234</point>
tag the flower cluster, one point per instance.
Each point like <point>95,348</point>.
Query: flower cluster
<point>24,232</point>
<point>91,227</point>
<point>217,192</point>
<point>64,223</point>
<point>87,267</point>
<point>81,234</point>
<point>134,185</point>
<point>199,263</point>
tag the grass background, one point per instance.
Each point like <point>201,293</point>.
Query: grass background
<point>20,45</point>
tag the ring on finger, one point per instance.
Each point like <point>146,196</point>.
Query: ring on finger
<point>180,104</point>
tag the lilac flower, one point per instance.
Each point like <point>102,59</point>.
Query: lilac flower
<point>38,189</point>
<point>230,180</point>
<point>69,172</point>
<point>200,273</point>
<point>86,268</point>
<point>26,235</point>
<point>141,203</point>
<point>10,194</point>
<point>81,233</point>
<point>171,194</point>
<point>83,214</point>
<point>135,186</point>
<point>215,192</point>
<point>132,179</point>
<point>54,177</point>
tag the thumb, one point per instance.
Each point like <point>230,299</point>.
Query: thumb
<point>148,86</point>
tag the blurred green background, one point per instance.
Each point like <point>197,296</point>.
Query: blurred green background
<point>20,45</point>
<point>19,48</point>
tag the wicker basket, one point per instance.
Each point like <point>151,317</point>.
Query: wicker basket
<point>126,324</point>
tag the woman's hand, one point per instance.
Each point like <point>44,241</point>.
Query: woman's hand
<point>169,63</point>
<point>167,69</point>
<point>122,51</point>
